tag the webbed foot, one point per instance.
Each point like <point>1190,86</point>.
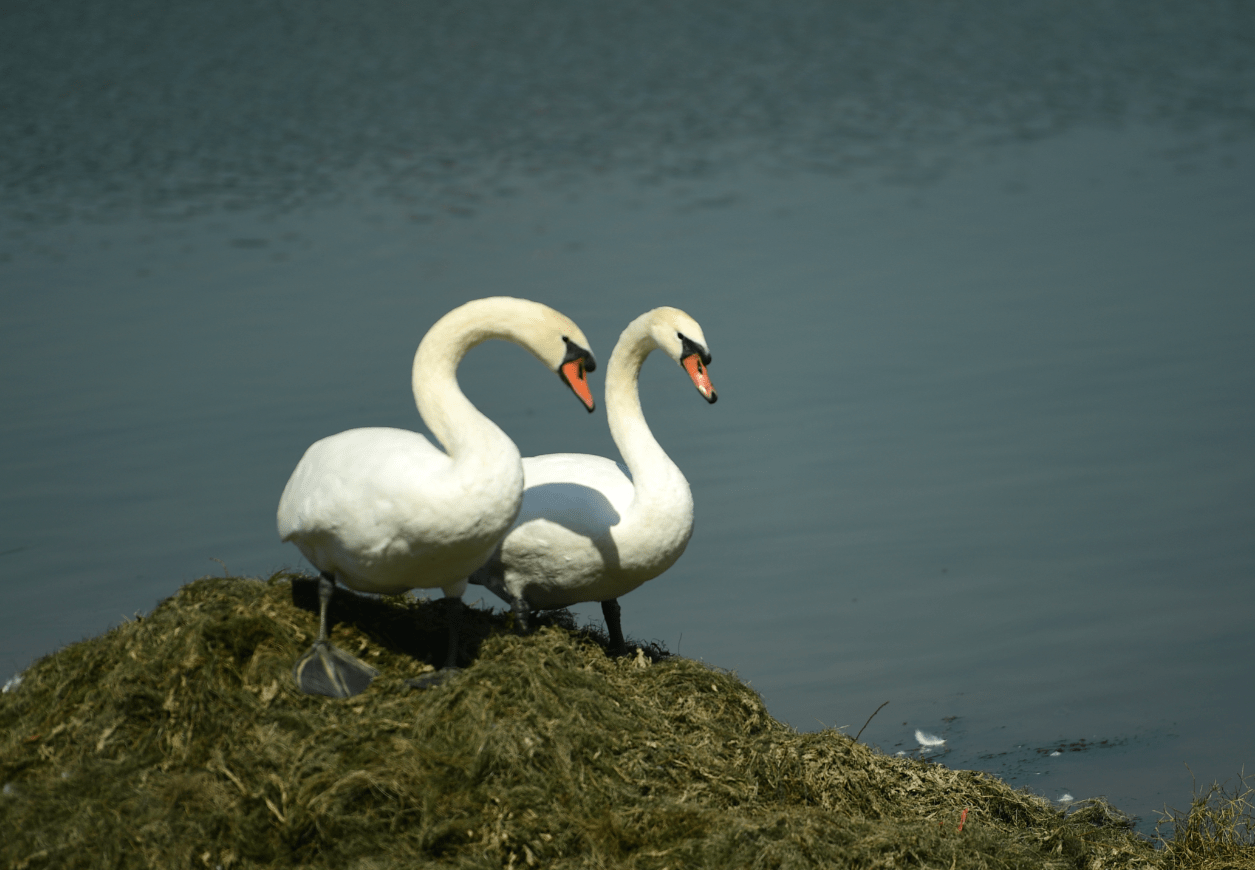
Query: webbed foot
<point>431,679</point>
<point>328,670</point>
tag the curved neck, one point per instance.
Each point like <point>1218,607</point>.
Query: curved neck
<point>652,470</point>
<point>457,424</point>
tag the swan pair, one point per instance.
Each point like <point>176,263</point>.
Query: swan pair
<point>384,510</point>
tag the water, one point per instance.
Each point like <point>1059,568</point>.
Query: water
<point>981,336</point>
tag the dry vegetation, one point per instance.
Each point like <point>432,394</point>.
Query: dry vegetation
<point>178,740</point>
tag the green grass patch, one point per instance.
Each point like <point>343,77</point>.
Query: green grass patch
<point>179,740</point>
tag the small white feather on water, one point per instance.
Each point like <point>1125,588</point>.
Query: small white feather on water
<point>11,684</point>
<point>1065,798</point>
<point>927,740</point>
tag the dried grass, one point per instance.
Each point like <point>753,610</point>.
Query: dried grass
<point>179,740</point>
<point>1216,833</point>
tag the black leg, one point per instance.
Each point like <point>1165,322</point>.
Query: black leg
<point>455,607</point>
<point>610,610</point>
<point>453,616</point>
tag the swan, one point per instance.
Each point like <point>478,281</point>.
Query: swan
<point>385,510</point>
<point>591,529</point>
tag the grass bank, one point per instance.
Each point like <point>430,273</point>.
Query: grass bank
<point>179,740</point>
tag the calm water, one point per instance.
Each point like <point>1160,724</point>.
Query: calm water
<point>979,294</point>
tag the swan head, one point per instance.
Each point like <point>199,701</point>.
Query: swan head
<point>549,335</point>
<point>555,340</point>
<point>680,336</point>
<point>575,366</point>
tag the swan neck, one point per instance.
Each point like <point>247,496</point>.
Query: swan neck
<point>456,423</point>
<point>643,455</point>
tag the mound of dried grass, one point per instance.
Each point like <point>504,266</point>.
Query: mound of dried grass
<point>1216,833</point>
<point>178,740</point>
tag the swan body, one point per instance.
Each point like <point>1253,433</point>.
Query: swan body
<point>590,528</point>
<point>385,510</point>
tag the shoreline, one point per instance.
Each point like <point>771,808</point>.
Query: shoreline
<point>179,739</point>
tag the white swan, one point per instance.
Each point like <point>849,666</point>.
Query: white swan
<point>384,510</point>
<point>590,529</point>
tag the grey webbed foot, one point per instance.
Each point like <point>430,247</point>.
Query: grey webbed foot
<point>328,670</point>
<point>431,679</point>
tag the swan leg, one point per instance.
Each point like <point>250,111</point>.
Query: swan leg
<point>455,606</point>
<point>326,586</point>
<point>614,628</point>
<point>326,669</point>
<point>435,678</point>
<point>522,614</point>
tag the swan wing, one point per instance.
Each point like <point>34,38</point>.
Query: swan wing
<point>586,494</point>
<point>380,509</point>
<point>351,481</point>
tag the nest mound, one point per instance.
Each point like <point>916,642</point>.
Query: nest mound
<point>179,740</point>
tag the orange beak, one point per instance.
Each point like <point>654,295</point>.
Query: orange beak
<point>693,365</point>
<point>573,374</point>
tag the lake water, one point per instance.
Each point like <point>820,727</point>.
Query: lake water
<point>979,292</point>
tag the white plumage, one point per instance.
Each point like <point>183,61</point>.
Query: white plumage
<point>385,510</point>
<point>591,529</point>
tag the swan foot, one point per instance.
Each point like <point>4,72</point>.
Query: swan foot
<point>614,628</point>
<point>431,679</point>
<point>328,670</point>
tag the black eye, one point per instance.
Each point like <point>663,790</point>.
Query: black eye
<point>689,347</point>
<point>574,352</point>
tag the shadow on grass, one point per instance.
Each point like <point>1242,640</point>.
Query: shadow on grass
<point>179,740</point>
<point>418,628</point>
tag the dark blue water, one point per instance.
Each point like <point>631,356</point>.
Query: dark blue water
<point>977,285</point>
